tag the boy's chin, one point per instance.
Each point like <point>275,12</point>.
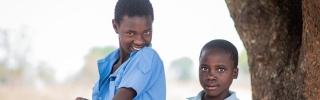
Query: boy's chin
<point>217,93</point>
<point>212,93</point>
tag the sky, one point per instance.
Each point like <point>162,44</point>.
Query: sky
<point>63,31</point>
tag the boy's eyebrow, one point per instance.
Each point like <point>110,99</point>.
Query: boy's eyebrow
<point>148,29</point>
<point>203,65</point>
<point>131,31</point>
<point>220,65</point>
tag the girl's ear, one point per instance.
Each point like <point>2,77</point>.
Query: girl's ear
<point>115,26</point>
<point>235,73</point>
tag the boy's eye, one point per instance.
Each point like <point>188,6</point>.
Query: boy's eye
<point>130,33</point>
<point>221,69</point>
<point>147,33</point>
<point>204,69</point>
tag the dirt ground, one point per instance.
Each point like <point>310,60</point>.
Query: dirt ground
<point>176,90</point>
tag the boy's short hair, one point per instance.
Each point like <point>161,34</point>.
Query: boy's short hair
<point>132,8</point>
<point>223,46</point>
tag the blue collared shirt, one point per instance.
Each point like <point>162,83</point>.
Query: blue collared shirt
<point>143,71</point>
<point>201,93</point>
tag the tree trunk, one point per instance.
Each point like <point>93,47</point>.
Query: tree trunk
<point>310,49</point>
<point>282,46</point>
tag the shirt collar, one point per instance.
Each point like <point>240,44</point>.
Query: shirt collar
<point>231,97</point>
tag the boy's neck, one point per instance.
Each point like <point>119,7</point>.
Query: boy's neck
<point>119,62</point>
<point>221,96</point>
<point>123,58</point>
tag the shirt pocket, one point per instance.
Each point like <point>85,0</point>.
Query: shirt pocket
<point>112,89</point>
<point>144,66</point>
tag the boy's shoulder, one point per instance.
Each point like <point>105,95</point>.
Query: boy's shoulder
<point>198,96</point>
<point>201,93</point>
<point>232,96</point>
<point>147,57</point>
<point>148,52</point>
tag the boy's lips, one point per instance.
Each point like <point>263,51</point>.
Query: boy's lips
<point>136,48</point>
<point>212,87</point>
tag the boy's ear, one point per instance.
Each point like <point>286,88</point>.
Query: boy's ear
<point>115,26</point>
<point>235,73</point>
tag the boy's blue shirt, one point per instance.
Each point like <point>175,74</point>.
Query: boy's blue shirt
<point>143,71</point>
<point>202,92</point>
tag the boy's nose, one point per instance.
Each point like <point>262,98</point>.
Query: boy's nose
<point>139,40</point>
<point>211,76</point>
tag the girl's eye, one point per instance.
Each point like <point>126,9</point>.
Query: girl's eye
<point>204,69</point>
<point>221,70</point>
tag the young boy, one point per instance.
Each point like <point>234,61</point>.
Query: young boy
<point>134,70</point>
<point>217,68</point>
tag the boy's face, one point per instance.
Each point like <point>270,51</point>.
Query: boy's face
<point>134,33</point>
<point>216,73</point>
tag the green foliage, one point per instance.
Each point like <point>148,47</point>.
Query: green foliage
<point>99,51</point>
<point>184,61</point>
<point>182,68</point>
<point>46,73</point>
<point>243,62</point>
<point>2,72</point>
<point>89,72</point>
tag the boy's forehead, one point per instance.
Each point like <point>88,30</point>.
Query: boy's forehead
<point>136,20</point>
<point>133,16</point>
<point>220,57</point>
<point>215,51</point>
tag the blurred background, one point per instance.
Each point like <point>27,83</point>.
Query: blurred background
<point>49,48</point>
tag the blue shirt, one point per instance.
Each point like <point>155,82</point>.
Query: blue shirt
<point>201,93</point>
<point>143,72</point>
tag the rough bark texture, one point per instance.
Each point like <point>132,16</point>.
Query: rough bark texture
<point>282,46</point>
<point>311,48</point>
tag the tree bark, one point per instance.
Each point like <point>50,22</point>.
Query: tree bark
<point>311,48</point>
<point>282,46</point>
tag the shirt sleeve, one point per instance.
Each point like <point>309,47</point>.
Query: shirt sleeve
<point>142,75</point>
<point>95,91</point>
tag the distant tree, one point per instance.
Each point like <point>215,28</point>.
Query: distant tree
<point>243,62</point>
<point>89,72</point>
<point>4,47</point>
<point>2,73</point>
<point>45,73</point>
<point>16,46</point>
<point>181,68</point>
